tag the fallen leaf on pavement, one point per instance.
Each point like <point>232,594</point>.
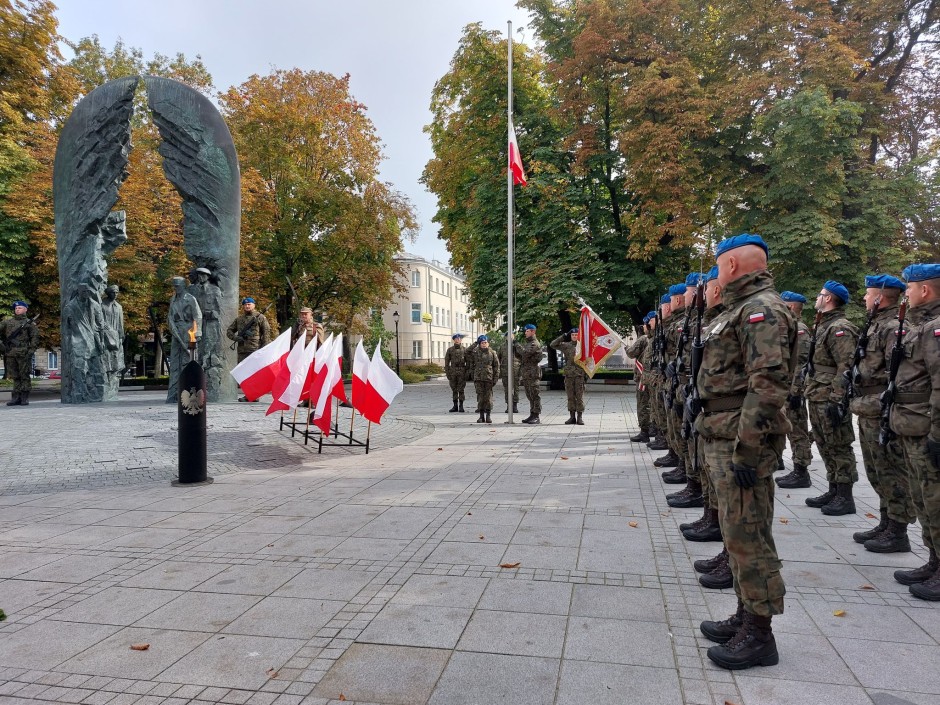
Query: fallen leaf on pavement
<point>272,673</point>
<point>270,545</point>
<point>440,449</point>
<point>139,647</point>
<point>632,524</point>
<point>728,702</point>
<point>870,515</point>
<point>341,697</point>
<point>784,520</point>
<point>469,514</point>
<point>838,613</point>
<point>564,457</point>
<point>482,537</point>
<point>510,565</point>
<point>867,587</point>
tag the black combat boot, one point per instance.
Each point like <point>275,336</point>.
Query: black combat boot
<point>719,577</point>
<point>533,419</point>
<point>676,476</point>
<point>24,398</point>
<point>687,498</point>
<point>14,399</point>
<point>823,499</point>
<point>527,418</point>
<point>723,631</point>
<point>515,408</point>
<point>461,408</point>
<point>695,524</point>
<point>580,419</point>
<point>482,418</point>
<point>659,444</point>
<point>796,479</point>
<point>641,437</point>
<point>919,575</point>
<point>571,419</point>
<point>753,645</point>
<point>892,540</point>
<point>488,419</point>
<point>709,531</point>
<point>707,565</point>
<point>670,460</point>
<point>454,408</point>
<point>929,589</point>
<point>780,466</point>
<point>842,503</point>
<point>863,536</point>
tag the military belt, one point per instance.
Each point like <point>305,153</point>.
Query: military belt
<point>869,390</point>
<point>824,368</point>
<point>683,379</point>
<point>911,397</point>
<point>731,403</point>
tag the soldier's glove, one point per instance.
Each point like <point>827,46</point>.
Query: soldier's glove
<point>836,414</point>
<point>933,452</point>
<point>795,401</point>
<point>745,476</point>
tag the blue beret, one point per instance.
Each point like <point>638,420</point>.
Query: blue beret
<point>574,330</point>
<point>921,272</point>
<point>651,315</point>
<point>740,241</point>
<point>694,278</point>
<point>665,299</point>
<point>20,303</point>
<point>646,318</point>
<point>528,326</point>
<point>457,335</point>
<point>791,297</point>
<point>248,300</point>
<point>834,287</point>
<point>482,338</point>
<point>884,281</point>
<point>712,274</point>
<point>677,290</point>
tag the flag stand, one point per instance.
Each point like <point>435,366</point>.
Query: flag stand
<point>305,429</point>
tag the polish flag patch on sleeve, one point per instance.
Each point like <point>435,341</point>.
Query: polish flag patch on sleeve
<point>840,333</point>
<point>755,317</point>
<point>936,332</point>
<point>800,332</point>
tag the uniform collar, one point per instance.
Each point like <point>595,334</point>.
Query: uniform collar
<point>926,312</point>
<point>887,313</point>
<point>833,314</point>
<point>748,285</point>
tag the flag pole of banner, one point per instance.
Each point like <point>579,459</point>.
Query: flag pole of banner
<point>515,162</point>
<point>597,341</point>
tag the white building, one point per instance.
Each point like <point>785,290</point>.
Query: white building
<point>433,308</point>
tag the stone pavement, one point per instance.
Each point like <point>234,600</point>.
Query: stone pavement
<point>306,578</point>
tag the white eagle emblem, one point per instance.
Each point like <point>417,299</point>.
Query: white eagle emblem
<point>192,401</point>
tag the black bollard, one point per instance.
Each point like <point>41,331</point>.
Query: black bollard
<point>191,417</point>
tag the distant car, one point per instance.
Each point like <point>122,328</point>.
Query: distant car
<point>55,374</point>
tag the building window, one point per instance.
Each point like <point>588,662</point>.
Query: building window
<point>416,278</point>
<point>53,361</point>
<point>416,313</point>
<point>416,350</point>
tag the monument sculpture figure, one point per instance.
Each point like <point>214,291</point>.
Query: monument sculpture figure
<point>113,340</point>
<point>183,316</point>
<point>83,326</point>
<point>209,297</point>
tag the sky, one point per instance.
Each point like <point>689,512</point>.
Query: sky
<point>394,51</point>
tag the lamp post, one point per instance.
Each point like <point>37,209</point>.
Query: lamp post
<point>395,318</point>
<point>427,318</point>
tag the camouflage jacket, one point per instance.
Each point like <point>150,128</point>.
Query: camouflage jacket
<point>455,362</point>
<point>919,373</point>
<point>529,370</point>
<point>653,373</point>
<point>569,350</point>
<point>836,339</point>
<point>485,365</point>
<point>516,360</point>
<point>639,351</point>
<point>258,331</point>
<point>873,368</point>
<point>747,367</point>
<point>18,336</point>
<point>803,335</point>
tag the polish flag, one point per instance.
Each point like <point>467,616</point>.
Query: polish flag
<point>298,364</point>
<point>338,391</point>
<point>317,373</point>
<point>257,372</point>
<point>515,159</point>
<point>383,386</point>
<point>332,373</point>
<point>360,374</point>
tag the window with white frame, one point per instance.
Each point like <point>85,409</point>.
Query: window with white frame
<point>416,350</point>
<point>416,313</point>
<point>52,360</point>
<point>415,278</point>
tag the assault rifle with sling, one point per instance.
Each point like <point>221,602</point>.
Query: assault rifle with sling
<point>852,377</point>
<point>243,333</point>
<point>693,401</point>
<point>886,435</point>
<point>677,366</point>
<point>15,333</point>
<point>809,369</point>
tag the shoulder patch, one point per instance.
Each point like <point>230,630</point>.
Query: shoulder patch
<point>756,317</point>
<point>936,332</point>
<point>800,331</point>
<point>840,333</point>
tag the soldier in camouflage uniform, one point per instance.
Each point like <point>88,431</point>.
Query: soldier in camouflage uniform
<point>455,367</point>
<point>574,375</point>
<point>250,331</point>
<point>746,372</point>
<point>675,457</point>
<point>485,374</point>
<point>655,379</point>
<point>884,464</point>
<point>19,339</point>
<point>530,373</point>
<point>639,352</point>
<point>836,338</point>
<point>800,440</point>
<point>915,418</point>
<point>504,371</point>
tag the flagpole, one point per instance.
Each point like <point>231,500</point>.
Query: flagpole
<point>509,244</point>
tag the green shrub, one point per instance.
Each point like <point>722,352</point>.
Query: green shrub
<point>426,369</point>
<point>410,377</point>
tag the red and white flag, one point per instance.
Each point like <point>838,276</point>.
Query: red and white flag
<point>360,375</point>
<point>317,374</point>
<point>331,373</point>
<point>515,159</point>
<point>338,390</point>
<point>296,369</point>
<point>257,372</point>
<point>383,386</point>
<point>282,380</point>
<point>597,341</point>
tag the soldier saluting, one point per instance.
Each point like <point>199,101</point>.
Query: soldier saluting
<point>574,375</point>
<point>529,373</point>
<point>19,338</point>
<point>455,367</point>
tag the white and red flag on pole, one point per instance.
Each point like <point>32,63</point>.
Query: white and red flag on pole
<point>298,365</point>
<point>338,390</point>
<point>257,372</point>
<point>383,386</point>
<point>317,373</point>
<point>360,375</point>
<point>282,381</point>
<point>515,158</point>
<point>330,373</point>
<point>597,341</point>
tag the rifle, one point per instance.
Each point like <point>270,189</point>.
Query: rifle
<point>660,343</point>
<point>693,402</point>
<point>243,333</point>
<point>809,369</point>
<point>886,435</point>
<point>677,365</point>
<point>21,327</point>
<point>852,377</point>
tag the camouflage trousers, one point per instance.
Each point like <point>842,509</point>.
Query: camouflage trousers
<point>643,415</point>
<point>834,444</point>
<point>697,450</point>
<point>484,392</point>
<point>674,434</point>
<point>574,388</point>
<point>534,395</point>
<point>746,519</point>
<point>801,442</point>
<point>657,410</point>
<point>924,481</point>
<point>885,468</point>
<point>19,366</point>
<point>458,384</point>
<point>515,388</point>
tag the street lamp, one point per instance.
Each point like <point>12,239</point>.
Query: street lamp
<point>395,318</point>
<point>427,318</point>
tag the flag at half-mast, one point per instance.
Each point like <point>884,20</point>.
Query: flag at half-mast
<point>597,341</point>
<point>515,159</point>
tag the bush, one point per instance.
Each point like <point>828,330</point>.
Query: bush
<point>426,369</point>
<point>410,377</point>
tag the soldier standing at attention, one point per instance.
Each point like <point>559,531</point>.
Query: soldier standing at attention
<point>306,325</point>
<point>19,338</point>
<point>455,367</point>
<point>836,339</point>
<point>915,418</point>
<point>638,352</point>
<point>530,373</point>
<point>800,440</point>
<point>504,371</point>
<point>747,368</point>
<point>485,374</point>
<point>677,451</point>
<point>655,379</point>
<point>250,331</point>
<point>574,375</point>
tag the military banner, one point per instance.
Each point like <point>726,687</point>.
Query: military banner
<point>597,341</point>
